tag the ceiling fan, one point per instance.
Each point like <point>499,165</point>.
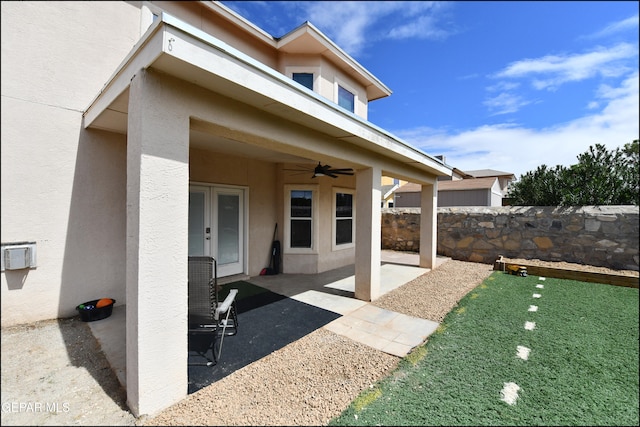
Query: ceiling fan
<point>325,170</point>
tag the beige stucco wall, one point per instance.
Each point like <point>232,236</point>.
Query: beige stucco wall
<point>61,187</point>
<point>208,21</point>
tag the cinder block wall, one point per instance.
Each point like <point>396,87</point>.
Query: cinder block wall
<point>604,236</point>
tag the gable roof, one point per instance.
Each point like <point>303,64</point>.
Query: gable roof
<point>483,173</point>
<point>307,39</point>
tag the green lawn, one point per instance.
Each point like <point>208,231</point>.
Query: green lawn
<point>581,368</point>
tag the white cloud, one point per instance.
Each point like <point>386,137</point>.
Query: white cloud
<point>518,149</point>
<point>351,24</point>
<point>423,27</point>
<point>505,103</point>
<point>630,23</point>
<point>551,71</point>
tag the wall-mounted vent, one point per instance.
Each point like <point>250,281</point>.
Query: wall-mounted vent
<point>17,256</point>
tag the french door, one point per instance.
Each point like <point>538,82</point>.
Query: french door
<point>217,226</point>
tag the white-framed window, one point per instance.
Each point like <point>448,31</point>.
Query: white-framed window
<point>301,219</point>
<point>305,79</point>
<point>306,76</point>
<point>345,95</point>
<point>344,215</point>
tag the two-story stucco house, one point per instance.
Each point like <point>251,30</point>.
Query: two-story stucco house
<point>137,133</point>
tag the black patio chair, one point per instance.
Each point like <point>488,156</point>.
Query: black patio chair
<point>209,320</point>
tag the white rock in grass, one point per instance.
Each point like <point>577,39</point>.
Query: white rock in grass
<point>523,352</point>
<point>509,393</point>
<point>529,326</point>
<point>533,308</point>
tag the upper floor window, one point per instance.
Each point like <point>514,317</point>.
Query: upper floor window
<point>346,99</point>
<point>305,79</point>
<point>307,75</point>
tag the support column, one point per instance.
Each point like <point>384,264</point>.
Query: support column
<point>428,225</point>
<point>157,246</point>
<point>368,229</point>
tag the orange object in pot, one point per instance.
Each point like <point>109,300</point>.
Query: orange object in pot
<point>104,302</point>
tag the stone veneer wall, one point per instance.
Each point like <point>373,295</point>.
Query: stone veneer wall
<point>604,236</point>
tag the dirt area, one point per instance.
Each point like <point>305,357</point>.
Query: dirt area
<point>572,266</point>
<point>53,373</point>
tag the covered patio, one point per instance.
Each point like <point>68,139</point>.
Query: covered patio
<point>331,292</point>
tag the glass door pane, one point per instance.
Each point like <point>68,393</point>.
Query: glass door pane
<point>228,228</point>
<point>198,221</point>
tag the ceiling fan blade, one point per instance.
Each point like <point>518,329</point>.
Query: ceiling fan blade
<point>345,171</point>
<point>329,173</point>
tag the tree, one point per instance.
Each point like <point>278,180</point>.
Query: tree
<point>600,177</point>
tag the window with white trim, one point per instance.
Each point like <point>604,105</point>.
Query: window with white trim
<point>305,79</point>
<point>343,233</point>
<point>306,76</point>
<point>301,218</point>
<point>346,95</point>
<point>346,99</point>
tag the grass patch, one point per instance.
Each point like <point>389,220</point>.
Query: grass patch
<point>366,398</point>
<point>582,368</point>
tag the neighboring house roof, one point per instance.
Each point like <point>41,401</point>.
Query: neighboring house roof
<point>482,173</point>
<point>410,187</point>
<point>455,185</point>
<point>467,184</point>
<point>387,190</point>
<point>462,174</point>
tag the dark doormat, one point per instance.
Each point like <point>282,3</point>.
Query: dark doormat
<point>266,322</point>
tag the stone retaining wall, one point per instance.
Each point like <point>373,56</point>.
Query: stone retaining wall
<point>604,236</point>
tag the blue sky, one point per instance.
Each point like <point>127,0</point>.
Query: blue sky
<point>506,85</point>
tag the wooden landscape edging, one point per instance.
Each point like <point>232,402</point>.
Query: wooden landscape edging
<point>582,276</point>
